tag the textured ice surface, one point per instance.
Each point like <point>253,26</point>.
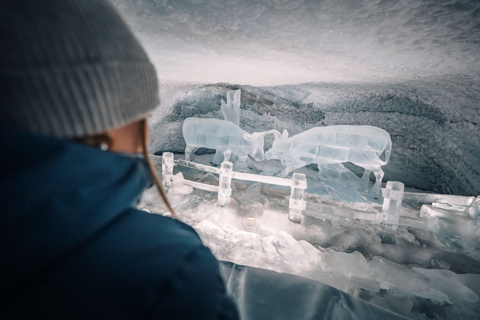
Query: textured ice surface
<point>360,145</point>
<point>392,274</point>
<point>223,136</point>
<point>448,284</point>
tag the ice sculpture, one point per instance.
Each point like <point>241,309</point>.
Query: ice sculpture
<point>167,169</point>
<point>297,203</point>
<point>360,145</point>
<point>224,183</point>
<point>231,109</point>
<point>389,216</point>
<point>223,136</point>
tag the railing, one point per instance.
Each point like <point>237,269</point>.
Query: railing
<point>435,208</point>
<point>297,184</point>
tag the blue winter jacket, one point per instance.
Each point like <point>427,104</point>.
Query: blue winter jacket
<point>73,245</point>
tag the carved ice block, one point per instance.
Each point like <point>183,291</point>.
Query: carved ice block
<point>231,109</point>
<point>224,183</point>
<point>297,203</point>
<point>392,202</point>
<point>167,169</point>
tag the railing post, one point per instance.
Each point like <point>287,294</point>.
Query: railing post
<point>296,203</point>
<point>224,183</point>
<point>167,169</point>
<point>392,202</point>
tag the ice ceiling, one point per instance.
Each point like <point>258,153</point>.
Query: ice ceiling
<point>409,67</point>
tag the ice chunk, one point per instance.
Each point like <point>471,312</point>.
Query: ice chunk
<point>244,247</point>
<point>360,145</point>
<point>451,223</point>
<point>392,274</point>
<point>213,237</point>
<point>448,283</point>
<point>399,301</point>
<point>365,283</point>
<point>231,109</point>
<point>181,185</point>
<point>345,271</point>
<point>223,136</point>
<point>289,255</point>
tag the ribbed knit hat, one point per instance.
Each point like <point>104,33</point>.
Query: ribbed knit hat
<point>71,68</point>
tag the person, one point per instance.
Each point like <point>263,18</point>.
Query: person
<point>76,88</point>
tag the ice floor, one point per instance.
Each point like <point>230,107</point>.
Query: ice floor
<point>420,272</point>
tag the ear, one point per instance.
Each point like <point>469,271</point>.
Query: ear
<point>285,134</point>
<point>248,136</point>
<point>276,133</point>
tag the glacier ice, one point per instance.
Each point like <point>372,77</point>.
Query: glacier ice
<point>392,274</point>
<point>360,145</point>
<point>223,136</point>
<point>448,284</point>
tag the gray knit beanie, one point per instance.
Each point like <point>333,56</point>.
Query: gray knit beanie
<point>71,68</point>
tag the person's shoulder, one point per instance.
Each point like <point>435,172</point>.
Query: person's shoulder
<point>195,291</point>
<point>192,287</point>
<point>149,265</point>
<point>162,230</point>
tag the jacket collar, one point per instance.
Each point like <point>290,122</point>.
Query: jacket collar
<point>56,195</point>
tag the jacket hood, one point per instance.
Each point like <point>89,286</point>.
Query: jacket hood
<point>56,196</point>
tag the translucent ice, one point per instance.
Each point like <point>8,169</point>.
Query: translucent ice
<point>345,271</point>
<point>223,136</point>
<point>167,169</point>
<point>213,236</point>
<point>244,247</point>
<point>392,274</point>
<point>224,183</point>
<point>451,223</point>
<point>390,215</point>
<point>231,109</point>
<point>449,284</point>
<point>360,145</point>
<point>290,255</point>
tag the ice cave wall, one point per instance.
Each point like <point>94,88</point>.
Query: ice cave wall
<point>434,126</point>
<point>409,67</point>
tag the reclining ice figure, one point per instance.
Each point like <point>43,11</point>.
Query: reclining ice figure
<point>360,145</point>
<point>223,136</point>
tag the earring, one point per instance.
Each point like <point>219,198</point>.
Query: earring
<point>104,146</point>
